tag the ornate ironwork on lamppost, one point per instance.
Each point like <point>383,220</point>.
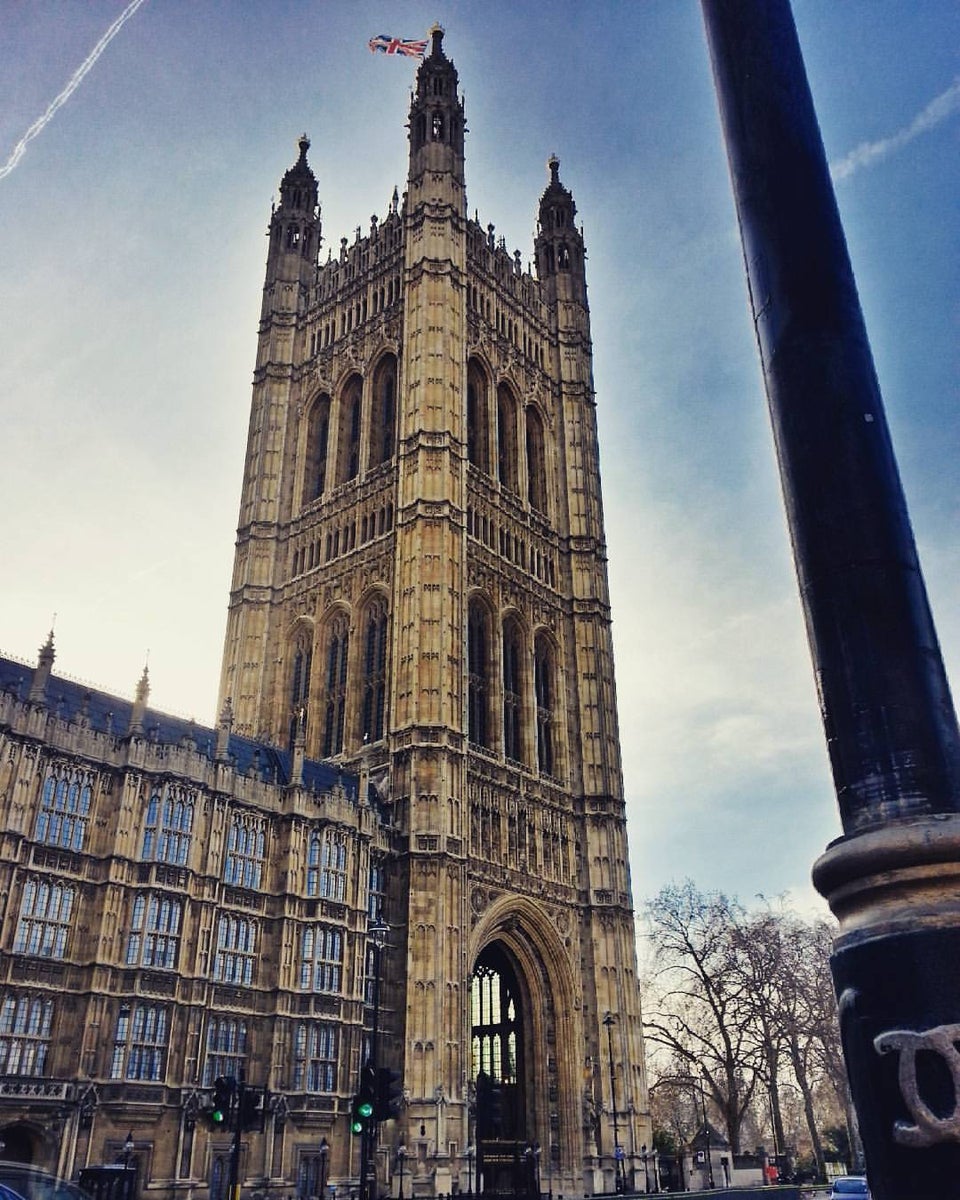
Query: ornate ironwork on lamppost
<point>401,1159</point>
<point>609,1021</point>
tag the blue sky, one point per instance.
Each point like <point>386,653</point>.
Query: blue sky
<point>131,263</point>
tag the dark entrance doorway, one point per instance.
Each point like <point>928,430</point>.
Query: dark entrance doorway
<point>498,1069</point>
<point>18,1144</point>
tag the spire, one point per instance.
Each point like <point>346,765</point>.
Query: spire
<point>437,126</point>
<point>41,676</point>
<point>295,225</point>
<point>139,710</point>
<point>559,245</point>
<point>224,728</point>
<point>299,747</point>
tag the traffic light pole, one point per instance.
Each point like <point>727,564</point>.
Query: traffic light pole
<point>237,1131</point>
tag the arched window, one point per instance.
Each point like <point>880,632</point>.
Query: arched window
<point>478,418</point>
<point>335,685</point>
<point>168,826</point>
<point>536,463</point>
<point>384,415</point>
<point>154,938</point>
<point>300,682</point>
<point>374,686</point>
<point>512,690</point>
<point>318,438</point>
<point>507,438</point>
<point>544,686</point>
<point>478,666</point>
<point>496,1047</point>
<point>351,411</point>
<point>46,910</point>
<point>236,950</point>
<point>437,126</point>
<point>327,865</point>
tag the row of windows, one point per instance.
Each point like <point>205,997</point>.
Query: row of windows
<point>141,1040</point>
<point>369,714</point>
<point>494,441</point>
<point>360,426</point>
<point>505,325</point>
<point>499,700</point>
<point>499,538</point>
<point>342,541</point>
<point>353,315</point>
<point>385,237</point>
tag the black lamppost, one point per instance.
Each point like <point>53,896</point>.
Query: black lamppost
<point>401,1159</point>
<point>609,1021</point>
<point>377,932</point>
<point>126,1157</point>
<point>706,1133</point>
<point>324,1152</point>
<point>469,1153</point>
<point>646,1173</point>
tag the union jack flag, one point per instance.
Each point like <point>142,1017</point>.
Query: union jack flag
<point>392,45</point>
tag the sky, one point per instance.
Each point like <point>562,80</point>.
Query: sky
<point>140,149</point>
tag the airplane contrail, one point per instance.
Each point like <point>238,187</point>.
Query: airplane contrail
<point>939,109</point>
<point>72,84</point>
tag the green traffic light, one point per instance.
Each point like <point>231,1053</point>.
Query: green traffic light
<point>217,1116</point>
<point>365,1109</point>
<point>357,1127</point>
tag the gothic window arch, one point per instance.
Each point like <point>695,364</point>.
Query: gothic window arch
<point>64,808</point>
<point>246,851</point>
<point>351,417</point>
<point>507,438</point>
<point>168,827</point>
<point>236,950</point>
<point>513,643</point>
<point>478,667</point>
<point>436,126</point>
<point>321,958</point>
<point>226,1048</point>
<point>478,418</point>
<point>536,462</point>
<point>46,912</point>
<point>336,648</point>
<point>545,694</point>
<point>318,440</point>
<point>301,665</point>
<point>327,865</point>
<point>383,424</point>
<point>373,691</point>
<point>154,938</point>
<point>26,1020</point>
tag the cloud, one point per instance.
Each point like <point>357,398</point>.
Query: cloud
<point>866,154</point>
<point>72,84</point>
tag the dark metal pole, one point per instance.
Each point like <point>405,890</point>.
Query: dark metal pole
<point>237,1112</point>
<point>889,720</point>
<point>608,1021</point>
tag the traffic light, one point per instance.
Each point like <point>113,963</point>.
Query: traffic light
<point>389,1099</point>
<point>221,1106</point>
<point>364,1100</point>
<point>252,1108</point>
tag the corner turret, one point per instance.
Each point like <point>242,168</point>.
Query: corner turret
<point>41,676</point>
<point>437,128</point>
<point>295,227</point>
<point>559,248</point>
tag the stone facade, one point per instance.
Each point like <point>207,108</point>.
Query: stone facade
<point>419,618</point>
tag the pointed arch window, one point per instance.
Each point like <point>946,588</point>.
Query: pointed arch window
<point>168,826</point>
<point>300,682</point>
<point>478,419</point>
<point>335,685</point>
<point>544,686</point>
<point>327,865</point>
<point>351,410</point>
<point>374,688</point>
<point>154,939</point>
<point>384,417</point>
<point>64,808</point>
<point>226,1049</point>
<point>478,663</point>
<point>512,691</point>
<point>46,912</point>
<point>236,950</point>
<point>536,462</point>
<point>507,438</point>
<point>318,439</point>
<point>25,1027</point>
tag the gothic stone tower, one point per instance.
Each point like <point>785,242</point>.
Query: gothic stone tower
<point>420,593</point>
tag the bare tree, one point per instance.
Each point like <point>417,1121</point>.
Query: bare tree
<point>696,1007</point>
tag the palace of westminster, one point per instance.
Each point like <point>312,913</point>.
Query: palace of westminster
<point>417,728</point>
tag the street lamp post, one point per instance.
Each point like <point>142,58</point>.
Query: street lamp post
<point>401,1159</point>
<point>469,1153</point>
<point>609,1021</point>
<point>324,1152</point>
<point>377,932</point>
<point>646,1173</point>
<point>126,1157</point>
<point>706,1133</point>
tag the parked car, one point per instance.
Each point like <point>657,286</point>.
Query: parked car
<point>850,1187</point>
<point>21,1181</point>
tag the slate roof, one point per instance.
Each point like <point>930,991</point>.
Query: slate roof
<point>69,699</point>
